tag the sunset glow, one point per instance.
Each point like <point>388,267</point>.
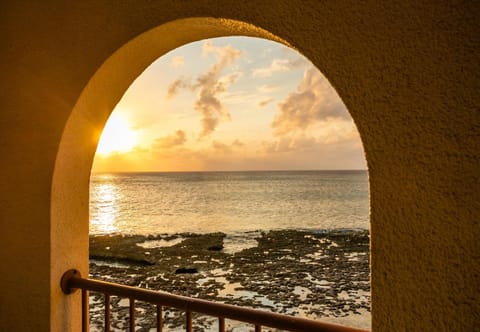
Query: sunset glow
<point>117,136</point>
<point>232,103</point>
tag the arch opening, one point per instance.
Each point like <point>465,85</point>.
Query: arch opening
<point>95,106</point>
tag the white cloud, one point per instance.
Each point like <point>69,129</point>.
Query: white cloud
<point>314,101</point>
<point>267,88</point>
<point>279,65</point>
<point>175,86</point>
<point>225,54</point>
<point>178,61</point>
<point>210,85</point>
<point>264,102</point>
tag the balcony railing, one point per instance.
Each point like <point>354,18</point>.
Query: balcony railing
<point>72,281</point>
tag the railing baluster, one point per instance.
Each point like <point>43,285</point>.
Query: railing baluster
<point>85,307</point>
<point>159,318</point>
<point>107,312</point>
<point>221,324</point>
<point>189,321</point>
<point>258,328</point>
<point>132,314</point>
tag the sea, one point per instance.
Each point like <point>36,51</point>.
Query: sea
<point>230,202</point>
<point>241,205</point>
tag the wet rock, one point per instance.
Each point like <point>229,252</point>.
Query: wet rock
<point>283,260</point>
<point>216,248</point>
<point>185,270</point>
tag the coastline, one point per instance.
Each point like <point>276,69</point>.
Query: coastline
<point>315,274</point>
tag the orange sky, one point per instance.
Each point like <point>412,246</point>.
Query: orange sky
<point>231,103</point>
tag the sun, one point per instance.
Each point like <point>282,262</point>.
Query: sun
<point>117,136</point>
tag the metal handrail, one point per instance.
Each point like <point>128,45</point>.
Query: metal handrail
<point>72,280</point>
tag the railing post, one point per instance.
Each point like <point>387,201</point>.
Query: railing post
<point>221,324</point>
<point>107,312</point>
<point>85,306</point>
<point>258,328</point>
<point>132,314</point>
<point>189,321</point>
<point>159,318</point>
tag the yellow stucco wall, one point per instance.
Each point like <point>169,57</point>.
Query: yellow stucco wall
<point>408,73</point>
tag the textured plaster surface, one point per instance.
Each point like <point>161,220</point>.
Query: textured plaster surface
<point>408,73</point>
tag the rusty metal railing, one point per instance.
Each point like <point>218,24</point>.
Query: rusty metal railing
<point>72,280</point>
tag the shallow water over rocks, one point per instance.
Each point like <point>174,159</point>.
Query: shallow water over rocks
<point>320,275</point>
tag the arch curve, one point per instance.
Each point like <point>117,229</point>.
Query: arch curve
<point>70,181</point>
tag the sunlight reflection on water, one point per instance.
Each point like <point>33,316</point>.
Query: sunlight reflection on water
<point>106,196</point>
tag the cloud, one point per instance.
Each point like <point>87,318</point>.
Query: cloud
<point>267,88</point>
<point>240,97</point>
<point>167,142</point>
<point>237,143</point>
<point>314,101</point>
<point>224,53</point>
<point>279,65</point>
<point>264,102</point>
<point>266,52</point>
<point>229,79</point>
<point>289,144</point>
<point>119,162</point>
<point>178,84</point>
<point>221,148</point>
<point>178,61</point>
<point>210,85</point>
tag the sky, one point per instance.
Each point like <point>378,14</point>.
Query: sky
<point>228,104</point>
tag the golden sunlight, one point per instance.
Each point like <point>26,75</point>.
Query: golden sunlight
<point>117,136</point>
<point>106,210</point>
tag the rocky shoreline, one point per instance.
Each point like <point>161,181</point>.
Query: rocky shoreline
<point>320,275</point>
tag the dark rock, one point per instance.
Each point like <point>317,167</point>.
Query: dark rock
<point>215,248</point>
<point>185,270</point>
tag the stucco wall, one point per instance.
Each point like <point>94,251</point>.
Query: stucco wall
<point>407,72</point>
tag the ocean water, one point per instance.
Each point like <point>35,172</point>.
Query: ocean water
<point>229,202</point>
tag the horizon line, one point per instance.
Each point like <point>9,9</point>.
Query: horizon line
<point>224,171</point>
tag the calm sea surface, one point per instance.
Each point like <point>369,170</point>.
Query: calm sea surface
<point>230,202</point>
